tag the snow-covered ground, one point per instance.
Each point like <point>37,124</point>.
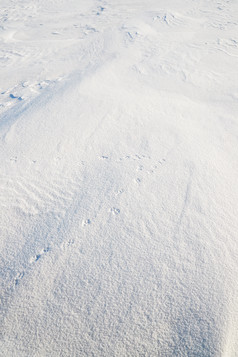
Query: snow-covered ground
<point>119,178</point>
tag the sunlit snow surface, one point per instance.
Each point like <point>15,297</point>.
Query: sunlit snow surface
<point>119,178</point>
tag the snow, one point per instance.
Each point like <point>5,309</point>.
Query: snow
<point>118,182</point>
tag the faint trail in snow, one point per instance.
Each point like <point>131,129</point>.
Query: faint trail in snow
<point>227,53</point>
<point>186,201</point>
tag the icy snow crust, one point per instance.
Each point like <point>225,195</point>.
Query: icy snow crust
<point>118,188</point>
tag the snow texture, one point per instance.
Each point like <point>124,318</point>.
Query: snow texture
<point>118,180</point>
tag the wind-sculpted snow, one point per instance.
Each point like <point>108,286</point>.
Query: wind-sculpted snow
<point>118,182</point>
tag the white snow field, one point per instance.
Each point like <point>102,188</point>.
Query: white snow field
<point>119,178</point>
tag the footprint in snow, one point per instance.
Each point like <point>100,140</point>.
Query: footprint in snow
<point>137,180</point>
<point>86,222</point>
<point>115,211</point>
<point>152,169</point>
<point>134,157</point>
<point>67,244</point>
<point>119,192</point>
<point>13,159</point>
<point>100,10</point>
<point>15,97</point>
<point>36,257</point>
<point>19,277</point>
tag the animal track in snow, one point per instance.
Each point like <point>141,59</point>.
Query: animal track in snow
<point>86,222</point>
<point>36,257</point>
<point>137,180</point>
<point>153,168</point>
<point>15,97</point>
<point>169,19</point>
<point>19,277</point>
<point>133,157</point>
<point>67,244</point>
<point>140,168</point>
<point>147,169</point>
<point>100,10</point>
<point>115,211</point>
<point>119,192</point>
